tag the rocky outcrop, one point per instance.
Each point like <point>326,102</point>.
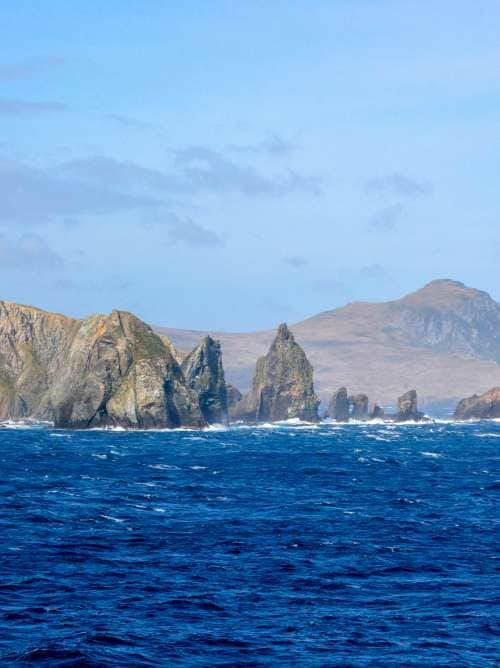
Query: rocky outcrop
<point>34,347</point>
<point>119,373</point>
<point>408,408</point>
<point>338,408</point>
<point>204,374</point>
<point>359,406</point>
<point>234,396</point>
<point>103,371</point>
<point>479,407</point>
<point>377,412</point>
<point>282,386</point>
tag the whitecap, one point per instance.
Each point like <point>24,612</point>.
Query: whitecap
<point>164,467</point>
<point>111,518</point>
<point>431,454</point>
<point>216,427</point>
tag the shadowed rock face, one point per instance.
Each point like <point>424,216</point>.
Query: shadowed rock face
<point>233,397</point>
<point>103,371</point>
<point>480,407</point>
<point>408,407</point>
<point>204,374</point>
<point>338,408</point>
<point>282,387</point>
<point>359,406</point>
<point>377,412</point>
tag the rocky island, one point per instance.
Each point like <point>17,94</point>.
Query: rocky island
<point>282,387</point>
<point>479,407</point>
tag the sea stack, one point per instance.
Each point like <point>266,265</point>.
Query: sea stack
<point>282,386</point>
<point>408,408</point>
<point>338,408</point>
<point>204,374</point>
<point>359,406</point>
<point>479,407</point>
<point>377,412</point>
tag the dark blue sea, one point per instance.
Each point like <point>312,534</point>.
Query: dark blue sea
<point>282,546</point>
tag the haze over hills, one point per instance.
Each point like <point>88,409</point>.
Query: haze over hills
<point>443,340</point>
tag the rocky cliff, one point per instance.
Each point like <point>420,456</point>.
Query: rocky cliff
<point>204,374</point>
<point>282,386</point>
<point>480,407</point>
<point>103,371</point>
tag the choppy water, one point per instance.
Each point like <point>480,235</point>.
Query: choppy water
<point>331,546</point>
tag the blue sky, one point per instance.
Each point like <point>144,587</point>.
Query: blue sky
<point>230,165</point>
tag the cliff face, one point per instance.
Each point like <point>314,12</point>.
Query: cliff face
<point>120,373</point>
<point>105,370</point>
<point>33,347</point>
<point>480,407</point>
<point>282,387</point>
<point>204,374</point>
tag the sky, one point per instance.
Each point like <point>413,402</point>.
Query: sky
<point>232,164</point>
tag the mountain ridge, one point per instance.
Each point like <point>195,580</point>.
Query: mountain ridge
<point>442,339</point>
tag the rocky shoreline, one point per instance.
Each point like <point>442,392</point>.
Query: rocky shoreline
<point>115,372</point>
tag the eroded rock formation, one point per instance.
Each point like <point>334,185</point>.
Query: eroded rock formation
<point>408,407</point>
<point>338,408</point>
<point>204,374</point>
<point>234,396</point>
<point>282,386</point>
<point>377,412</point>
<point>359,406</point>
<point>103,371</point>
<point>479,407</point>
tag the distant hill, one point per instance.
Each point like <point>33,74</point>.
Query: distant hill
<point>443,340</point>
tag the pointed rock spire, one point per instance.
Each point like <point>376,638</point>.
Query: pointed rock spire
<point>204,374</point>
<point>282,386</point>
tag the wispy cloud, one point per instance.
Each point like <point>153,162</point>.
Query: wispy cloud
<point>190,233</point>
<point>273,145</point>
<point>203,168</point>
<point>31,195</point>
<point>28,252</point>
<point>25,108</point>
<point>99,185</point>
<point>29,68</point>
<point>117,174</point>
<point>296,261</point>
<point>128,122</point>
<point>386,219</point>
<point>398,185</point>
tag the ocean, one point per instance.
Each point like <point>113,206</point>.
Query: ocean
<point>283,545</point>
